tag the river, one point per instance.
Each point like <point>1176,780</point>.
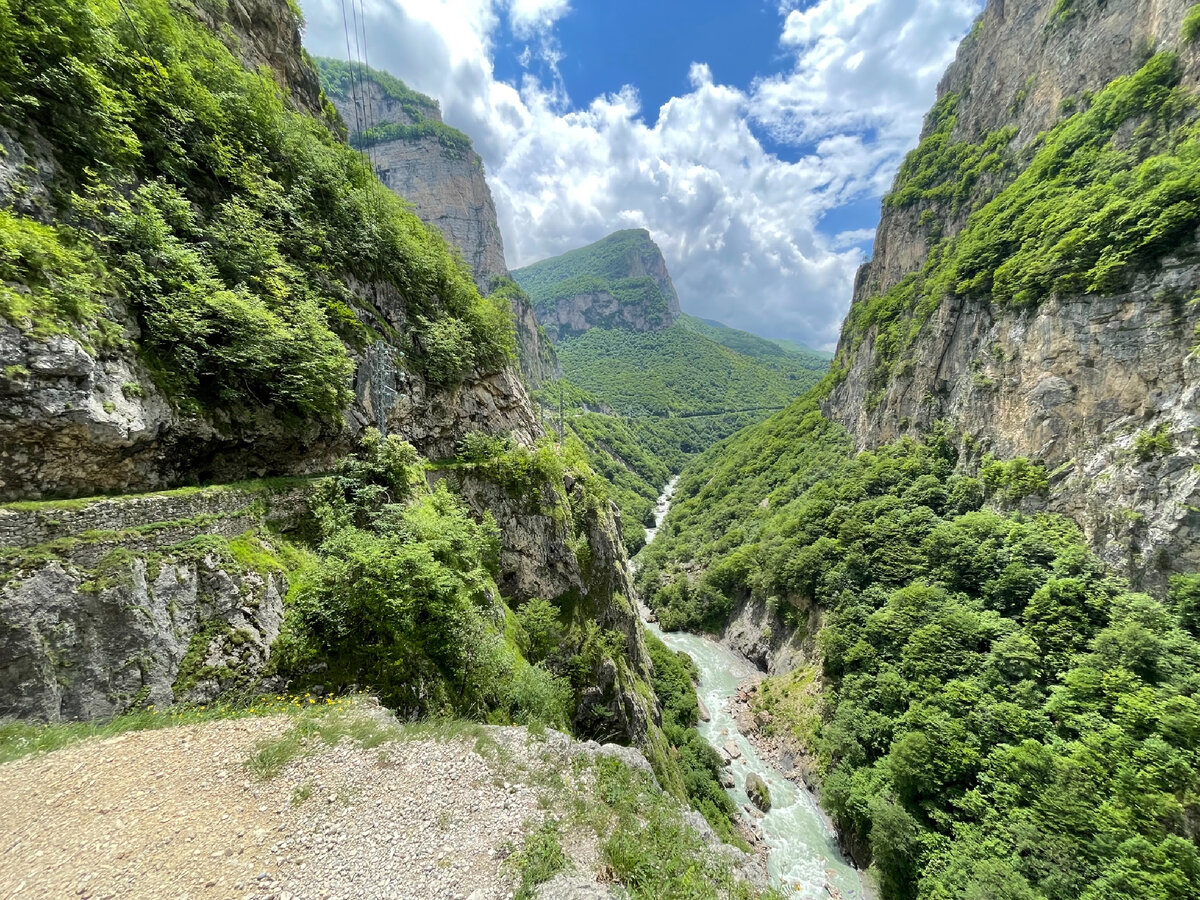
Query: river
<point>803,854</point>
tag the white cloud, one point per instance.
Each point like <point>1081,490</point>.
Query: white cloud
<point>738,225</point>
<point>528,16</point>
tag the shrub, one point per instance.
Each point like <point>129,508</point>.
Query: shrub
<point>237,229</point>
<point>1191,25</point>
<point>1154,444</point>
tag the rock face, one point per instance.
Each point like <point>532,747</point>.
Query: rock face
<point>267,33</point>
<point>1076,380</point>
<point>434,168</point>
<point>115,603</point>
<point>444,183</point>
<point>76,420</point>
<point>558,547</point>
<point>620,281</point>
<point>757,791</point>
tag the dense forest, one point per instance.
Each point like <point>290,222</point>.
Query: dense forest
<point>1002,716</point>
<point>667,395</point>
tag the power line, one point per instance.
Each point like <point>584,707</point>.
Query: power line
<point>136,33</point>
<point>367,61</point>
<point>353,90</point>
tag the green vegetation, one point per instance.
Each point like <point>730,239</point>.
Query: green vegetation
<point>654,853</point>
<point>62,275</point>
<point>945,171</point>
<point>451,139</point>
<point>1154,443</point>
<point>675,679</point>
<point>227,223</point>
<point>1088,210</point>
<point>602,266</point>
<point>1001,716</point>
<point>404,599</point>
<point>1010,481</point>
<point>674,391</point>
<point>792,703</point>
<point>539,860</point>
<point>787,356</point>
<point>1191,25</point>
<point>18,739</point>
<point>676,371</point>
<point>638,456</point>
<point>340,80</point>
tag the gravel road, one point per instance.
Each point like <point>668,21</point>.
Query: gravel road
<point>175,813</point>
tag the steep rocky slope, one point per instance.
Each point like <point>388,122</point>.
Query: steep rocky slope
<point>434,167</point>
<point>620,281</point>
<point>1077,354</point>
<point>207,285</point>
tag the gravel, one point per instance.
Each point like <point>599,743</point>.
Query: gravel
<point>174,813</point>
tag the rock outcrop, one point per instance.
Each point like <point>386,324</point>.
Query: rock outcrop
<point>112,604</point>
<point>1080,379</point>
<point>559,545</point>
<point>435,169</point>
<point>79,420</point>
<point>620,281</point>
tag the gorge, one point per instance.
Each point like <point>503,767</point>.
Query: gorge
<point>294,468</point>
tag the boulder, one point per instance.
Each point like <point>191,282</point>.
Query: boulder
<point>757,791</point>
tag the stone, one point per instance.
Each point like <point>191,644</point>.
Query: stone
<point>758,792</point>
<point>732,750</point>
<point>568,886</point>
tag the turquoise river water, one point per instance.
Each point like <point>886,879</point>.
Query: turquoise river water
<point>803,859</point>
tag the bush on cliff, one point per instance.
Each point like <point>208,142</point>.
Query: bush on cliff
<point>185,188</point>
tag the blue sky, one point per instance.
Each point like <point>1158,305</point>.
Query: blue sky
<point>753,138</point>
<point>738,40</point>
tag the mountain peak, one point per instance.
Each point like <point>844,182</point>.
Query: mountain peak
<point>620,281</point>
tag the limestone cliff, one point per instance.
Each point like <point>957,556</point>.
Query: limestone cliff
<point>176,593</point>
<point>108,605</point>
<point>559,545</point>
<point>620,281</point>
<point>1093,375</point>
<point>434,168</point>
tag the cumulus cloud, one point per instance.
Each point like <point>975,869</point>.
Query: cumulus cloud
<point>531,16</point>
<point>738,224</point>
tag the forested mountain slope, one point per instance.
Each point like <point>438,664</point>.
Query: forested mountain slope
<point>940,552</point>
<point>1035,265</point>
<point>647,386</point>
<point>620,281</point>
<point>202,282</point>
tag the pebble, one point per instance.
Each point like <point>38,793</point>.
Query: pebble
<point>407,821</point>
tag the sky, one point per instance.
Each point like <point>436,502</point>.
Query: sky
<point>754,139</point>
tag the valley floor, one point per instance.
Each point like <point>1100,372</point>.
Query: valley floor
<point>219,810</point>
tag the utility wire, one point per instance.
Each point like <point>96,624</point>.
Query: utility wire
<point>364,90</point>
<point>136,33</point>
<point>367,61</point>
<point>353,90</point>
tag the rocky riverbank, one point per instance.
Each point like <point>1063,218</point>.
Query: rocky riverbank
<point>776,747</point>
